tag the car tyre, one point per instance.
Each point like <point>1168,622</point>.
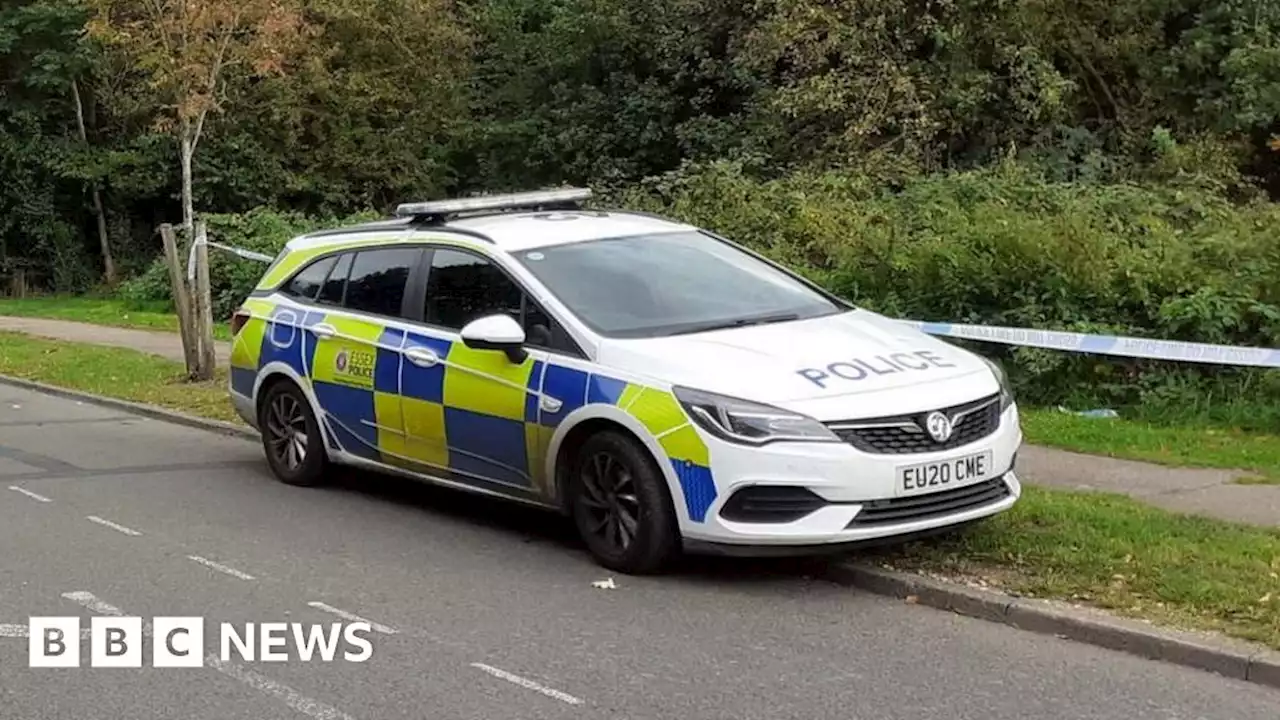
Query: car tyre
<point>620,504</point>
<point>291,436</point>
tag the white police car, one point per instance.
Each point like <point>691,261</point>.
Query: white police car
<point>661,385</point>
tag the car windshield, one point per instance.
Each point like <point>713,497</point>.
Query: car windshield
<point>670,283</point>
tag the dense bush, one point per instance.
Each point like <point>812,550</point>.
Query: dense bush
<point>231,278</point>
<point>1005,246</point>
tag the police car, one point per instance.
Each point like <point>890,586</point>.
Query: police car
<point>666,388</point>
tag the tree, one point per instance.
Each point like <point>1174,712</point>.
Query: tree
<point>190,56</point>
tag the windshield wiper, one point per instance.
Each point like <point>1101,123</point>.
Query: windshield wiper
<point>740,322</point>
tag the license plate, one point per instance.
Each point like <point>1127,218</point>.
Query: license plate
<point>944,474</point>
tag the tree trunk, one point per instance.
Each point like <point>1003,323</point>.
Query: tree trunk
<point>188,213</point>
<point>108,262</point>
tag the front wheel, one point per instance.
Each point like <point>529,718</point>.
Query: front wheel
<point>291,436</point>
<point>621,507</point>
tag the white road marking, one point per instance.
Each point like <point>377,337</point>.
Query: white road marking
<point>527,683</point>
<point>353,618</point>
<point>294,699</point>
<point>113,526</point>
<point>90,602</point>
<point>220,567</point>
<point>29,494</point>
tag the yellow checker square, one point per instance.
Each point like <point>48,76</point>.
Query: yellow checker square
<point>486,382</point>
<point>246,351</point>
<point>684,444</point>
<point>658,410</point>
<point>390,417</point>
<point>425,439</point>
<point>349,357</point>
<point>536,438</point>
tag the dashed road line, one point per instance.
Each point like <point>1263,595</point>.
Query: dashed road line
<point>90,602</point>
<point>28,493</point>
<point>353,618</point>
<point>220,567</point>
<point>527,683</point>
<point>113,526</point>
<point>303,704</point>
<point>307,706</point>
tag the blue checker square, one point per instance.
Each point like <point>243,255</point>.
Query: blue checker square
<point>386,371</point>
<point>348,406</point>
<point>483,444</point>
<point>282,342</point>
<point>698,486</point>
<point>425,383</point>
<point>605,390</point>
<point>567,385</point>
<point>242,380</point>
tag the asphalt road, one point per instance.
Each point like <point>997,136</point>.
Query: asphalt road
<point>481,609</point>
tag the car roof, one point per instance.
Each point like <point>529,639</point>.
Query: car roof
<point>506,231</point>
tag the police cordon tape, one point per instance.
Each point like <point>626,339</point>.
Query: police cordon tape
<point>1116,345</point>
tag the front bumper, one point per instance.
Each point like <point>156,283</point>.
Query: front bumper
<point>853,497</point>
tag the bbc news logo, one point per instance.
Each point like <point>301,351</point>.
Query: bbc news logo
<point>179,642</point>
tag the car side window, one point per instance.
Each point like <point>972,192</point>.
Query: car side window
<point>377,280</point>
<point>334,289</point>
<point>463,286</point>
<point>307,282</point>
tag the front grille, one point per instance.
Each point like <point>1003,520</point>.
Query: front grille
<point>926,506</point>
<point>923,507</point>
<point>904,434</point>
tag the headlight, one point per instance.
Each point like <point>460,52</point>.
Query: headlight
<point>1006,392</point>
<point>747,422</point>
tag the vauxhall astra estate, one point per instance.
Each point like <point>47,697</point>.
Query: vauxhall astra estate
<point>664,387</point>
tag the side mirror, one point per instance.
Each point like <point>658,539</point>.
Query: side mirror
<point>496,332</point>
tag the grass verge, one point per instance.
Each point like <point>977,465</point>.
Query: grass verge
<point>1100,549</point>
<point>114,372</point>
<point>99,311</point>
<point>1256,453</point>
<point>1116,553</point>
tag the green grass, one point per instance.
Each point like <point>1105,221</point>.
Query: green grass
<point>114,372</point>
<point>99,311</point>
<point>1113,552</point>
<point>1256,453</point>
<point>1100,549</point>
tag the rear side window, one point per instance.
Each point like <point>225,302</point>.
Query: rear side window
<point>306,283</point>
<point>335,286</point>
<point>377,280</point>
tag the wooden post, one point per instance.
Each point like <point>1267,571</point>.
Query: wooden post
<point>181,297</point>
<point>204,306</point>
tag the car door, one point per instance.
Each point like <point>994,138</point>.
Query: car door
<point>473,412</point>
<point>358,328</point>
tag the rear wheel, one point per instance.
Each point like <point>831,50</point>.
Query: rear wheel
<point>621,506</point>
<point>291,436</point>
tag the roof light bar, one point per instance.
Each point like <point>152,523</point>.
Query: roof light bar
<point>495,202</point>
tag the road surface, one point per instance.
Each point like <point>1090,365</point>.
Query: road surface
<point>479,609</point>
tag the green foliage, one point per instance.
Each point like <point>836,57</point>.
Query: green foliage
<point>231,278</point>
<point>1004,246</point>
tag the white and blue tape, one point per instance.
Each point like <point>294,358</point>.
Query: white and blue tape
<point>1118,345</point>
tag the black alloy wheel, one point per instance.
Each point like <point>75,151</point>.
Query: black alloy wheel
<point>291,436</point>
<point>621,506</point>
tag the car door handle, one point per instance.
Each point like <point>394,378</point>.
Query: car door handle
<point>422,357</point>
<point>324,331</point>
